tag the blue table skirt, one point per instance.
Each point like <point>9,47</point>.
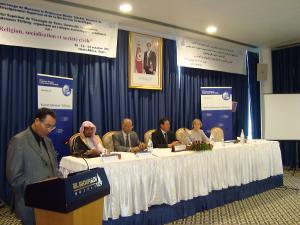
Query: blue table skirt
<point>162,214</point>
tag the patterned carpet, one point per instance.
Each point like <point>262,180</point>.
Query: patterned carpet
<point>278,206</point>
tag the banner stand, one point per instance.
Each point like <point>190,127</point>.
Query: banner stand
<point>216,109</point>
<point>56,93</point>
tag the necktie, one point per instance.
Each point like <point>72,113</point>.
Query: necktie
<point>127,140</point>
<point>44,149</point>
<point>166,137</point>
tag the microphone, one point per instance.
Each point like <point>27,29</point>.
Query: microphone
<point>81,171</point>
<point>80,155</point>
<point>88,167</point>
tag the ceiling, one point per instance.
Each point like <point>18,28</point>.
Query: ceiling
<point>261,23</point>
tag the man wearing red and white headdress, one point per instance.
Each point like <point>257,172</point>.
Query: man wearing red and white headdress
<point>87,142</point>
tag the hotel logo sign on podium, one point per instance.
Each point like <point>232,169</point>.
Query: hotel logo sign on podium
<point>87,184</point>
<point>75,200</point>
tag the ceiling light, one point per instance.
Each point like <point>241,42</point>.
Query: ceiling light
<point>125,8</point>
<point>211,29</point>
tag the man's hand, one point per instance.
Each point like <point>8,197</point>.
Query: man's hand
<point>106,151</point>
<point>135,149</point>
<point>92,152</point>
<point>173,144</point>
<point>142,146</point>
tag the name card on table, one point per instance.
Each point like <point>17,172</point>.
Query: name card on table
<point>110,157</point>
<point>179,148</point>
<point>144,154</point>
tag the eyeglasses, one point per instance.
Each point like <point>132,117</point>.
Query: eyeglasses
<point>48,127</point>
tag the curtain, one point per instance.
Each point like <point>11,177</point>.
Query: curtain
<point>254,93</point>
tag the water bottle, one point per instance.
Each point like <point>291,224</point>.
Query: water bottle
<point>150,145</point>
<point>223,143</point>
<point>242,137</point>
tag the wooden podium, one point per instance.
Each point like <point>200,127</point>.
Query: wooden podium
<point>76,200</point>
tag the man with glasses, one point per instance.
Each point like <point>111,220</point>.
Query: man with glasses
<point>127,140</point>
<point>31,157</point>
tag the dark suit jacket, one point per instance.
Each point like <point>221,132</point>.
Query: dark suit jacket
<point>150,61</point>
<point>26,163</point>
<point>119,142</point>
<point>159,140</point>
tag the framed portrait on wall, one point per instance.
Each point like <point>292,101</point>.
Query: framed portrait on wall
<point>145,62</point>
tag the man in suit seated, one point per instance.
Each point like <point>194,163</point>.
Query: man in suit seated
<point>127,140</point>
<point>87,142</point>
<point>164,137</point>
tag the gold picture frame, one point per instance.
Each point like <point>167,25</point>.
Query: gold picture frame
<point>145,61</point>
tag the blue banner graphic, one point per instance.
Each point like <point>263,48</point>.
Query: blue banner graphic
<point>57,93</point>
<point>216,109</point>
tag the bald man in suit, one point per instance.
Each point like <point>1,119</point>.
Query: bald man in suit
<point>127,140</point>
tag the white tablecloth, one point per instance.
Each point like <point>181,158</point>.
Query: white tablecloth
<point>138,183</point>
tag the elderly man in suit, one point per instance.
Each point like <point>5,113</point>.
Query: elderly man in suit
<point>31,157</point>
<point>127,140</point>
<point>164,137</point>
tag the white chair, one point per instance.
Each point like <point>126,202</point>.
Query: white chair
<point>181,134</point>
<point>217,133</point>
<point>147,135</point>
<point>108,141</point>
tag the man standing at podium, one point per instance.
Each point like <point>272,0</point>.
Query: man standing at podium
<point>31,157</point>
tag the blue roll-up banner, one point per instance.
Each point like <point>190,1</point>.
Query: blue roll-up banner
<point>56,93</point>
<point>216,108</point>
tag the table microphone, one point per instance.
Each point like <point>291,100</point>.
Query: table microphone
<point>88,167</point>
<point>80,155</point>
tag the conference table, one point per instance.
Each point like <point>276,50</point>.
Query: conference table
<point>165,178</point>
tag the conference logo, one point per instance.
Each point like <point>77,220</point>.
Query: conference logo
<point>226,96</point>
<point>66,90</point>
